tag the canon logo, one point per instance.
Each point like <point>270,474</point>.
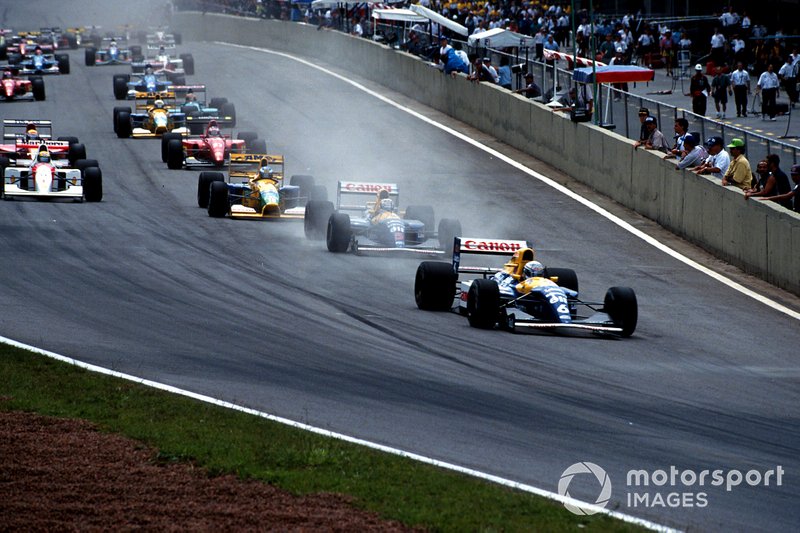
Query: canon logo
<point>367,187</point>
<point>491,246</point>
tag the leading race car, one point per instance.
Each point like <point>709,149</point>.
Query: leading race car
<point>211,149</point>
<point>255,190</point>
<point>16,88</point>
<point>520,294</point>
<point>378,225</point>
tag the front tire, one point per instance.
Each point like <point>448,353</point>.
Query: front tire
<point>123,125</point>
<point>483,302</point>
<point>165,139</point>
<point>175,154</point>
<point>339,233</point>
<point>435,286</point>
<point>92,184</point>
<point>621,305</point>
<point>37,88</point>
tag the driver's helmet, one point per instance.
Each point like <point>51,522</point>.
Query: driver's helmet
<point>383,194</point>
<point>113,43</point>
<point>213,131</point>
<point>533,269</point>
<point>38,50</point>
<point>44,156</point>
<point>161,50</point>
<point>190,96</point>
<point>6,73</point>
<point>31,132</point>
<point>265,171</point>
<point>387,204</point>
<point>159,104</point>
<point>148,69</point>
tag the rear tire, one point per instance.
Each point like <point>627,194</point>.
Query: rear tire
<point>423,213</point>
<point>258,146</point>
<point>175,154</point>
<point>567,277</point>
<point>217,102</point>
<point>449,229</point>
<point>435,286</point>
<point>620,304</point>
<point>37,88</point>
<point>318,193</point>
<point>135,50</point>
<point>315,221</point>
<point>76,152</point>
<point>70,139</point>
<point>248,137</point>
<point>91,56</point>
<point>228,110</point>
<point>483,302</point>
<point>218,205</point>
<point>305,183</point>
<point>188,64</point>
<point>204,186</point>
<point>339,233</point>
<point>92,184</point>
<point>63,63</point>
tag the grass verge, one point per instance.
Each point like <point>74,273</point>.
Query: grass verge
<point>225,441</point>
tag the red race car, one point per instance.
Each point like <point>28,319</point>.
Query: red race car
<point>212,149</point>
<point>16,88</point>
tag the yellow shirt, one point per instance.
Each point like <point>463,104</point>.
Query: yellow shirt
<point>739,172</point>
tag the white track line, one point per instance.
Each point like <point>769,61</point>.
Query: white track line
<point>544,179</point>
<point>325,433</point>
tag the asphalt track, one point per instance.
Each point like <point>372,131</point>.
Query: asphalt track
<point>146,283</point>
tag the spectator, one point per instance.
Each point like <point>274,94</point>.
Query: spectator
<point>531,90</point>
<point>607,49</point>
<point>681,132</point>
<point>451,62</point>
<point>761,176</point>
<point>777,183</point>
<point>357,30</point>
<point>667,47</point>
<point>718,160</point>
<point>655,139</point>
<point>695,154</point>
<point>793,194</point>
<point>788,79</point>
<point>721,87</point>
<point>739,173</point>
<point>504,73</point>
<point>643,131</point>
<point>699,89</point>
<point>488,71</point>
<point>740,80</point>
<point>414,44</point>
<point>768,86</point>
<point>577,101</point>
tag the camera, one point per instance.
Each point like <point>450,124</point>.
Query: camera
<point>521,68</point>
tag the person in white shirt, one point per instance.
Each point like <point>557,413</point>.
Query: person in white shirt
<point>768,86</point>
<point>788,79</point>
<point>717,47</point>
<point>718,159</point>
<point>740,80</point>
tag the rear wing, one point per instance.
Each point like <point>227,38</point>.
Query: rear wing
<point>168,45</point>
<point>222,120</point>
<point>479,246</point>
<point>247,165</point>
<point>145,99</point>
<point>16,128</point>
<point>182,90</point>
<point>361,189</point>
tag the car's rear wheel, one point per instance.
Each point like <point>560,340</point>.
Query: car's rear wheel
<point>258,146</point>
<point>315,221</point>
<point>136,50</point>
<point>69,138</point>
<point>339,233</point>
<point>228,110</point>
<point>305,182</point>
<point>567,277</point>
<point>483,303</point>
<point>63,63</point>
<point>435,286</point>
<point>620,304</point>
<point>318,193</point>
<point>175,154</point>
<point>248,137</point>
<point>76,152</point>
<point>423,213</point>
<point>218,203</point>
<point>90,56</point>
<point>204,182</point>
<point>217,102</point>
<point>449,229</point>
<point>37,88</point>
<point>188,64</point>
<point>92,184</point>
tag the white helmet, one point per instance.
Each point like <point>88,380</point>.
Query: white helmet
<point>265,172</point>
<point>387,204</point>
<point>533,269</point>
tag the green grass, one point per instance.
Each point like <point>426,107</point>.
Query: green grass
<point>227,441</point>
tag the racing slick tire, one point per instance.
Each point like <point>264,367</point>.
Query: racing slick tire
<point>228,110</point>
<point>339,233</point>
<point>188,64</point>
<point>63,63</point>
<point>123,125</point>
<point>77,152</point>
<point>72,41</point>
<point>218,205</point>
<point>136,50</point>
<point>435,286</point>
<point>449,229</point>
<point>567,277</point>
<point>117,111</point>
<point>204,182</point>
<point>423,213</point>
<point>92,184</point>
<point>315,221</point>
<point>189,110</point>
<point>4,162</point>
<point>90,56</point>
<point>175,154</point>
<point>196,128</point>
<point>14,59</point>
<point>83,164</point>
<point>121,86</point>
<point>217,102</point>
<point>305,182</point>
<point>165,139</point>
<point>3,52</point>
<point>37,88</point>
<point>70,139</point>
<point>259,146</point>
<point>620,304</point>
<point>177,79</point>
<point>248,137</point>
<point>178,38</point>
<point>483,302</point>
<point>318,193</point>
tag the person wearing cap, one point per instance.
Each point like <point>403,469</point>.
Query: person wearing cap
<point>740,80</point>
<point>695,153</point>
<point>768,87</point>
<point>739,173</point>
<point>489,73</point>
<point>699,89</point>
<point>531,90</point>
<point>576,100</point>
<point>655,140</point>
<point>718,160</point>
<point>777,183</point>
<point>792,195</point>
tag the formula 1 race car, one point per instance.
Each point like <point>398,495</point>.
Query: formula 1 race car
<point>520,294</point>
<point>43,168</point>
<point>153,117</point>
<point>160,59</point>
<point>112,54</point>
<point>199,112</point>
<point>255,190</point>
<point>161,36</point>
<point>378,226</point>
<point>127,86</point>
<point>211,149</point>
<point>40,63</point>
<point>15,88</point>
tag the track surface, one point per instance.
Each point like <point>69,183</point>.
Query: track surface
<point>147,284</point>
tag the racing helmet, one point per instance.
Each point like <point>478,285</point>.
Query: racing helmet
<point>6,73</point>
<point>44,156</point>
<point>190,96</point>
<point>265,171</point>
<point>383,194</point>
<point>38,50</point>
<point>387,204</point>
<point>533,269</point>
<point>148,69</point>
<point>213,131</point>
<point>159,103</point>
<point>31,132</point>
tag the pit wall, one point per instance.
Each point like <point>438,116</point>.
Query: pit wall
<point>756,236</point>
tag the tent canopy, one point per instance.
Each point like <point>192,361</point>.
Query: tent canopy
<point>614,74</point>
<point>500,38</point>
<point>403,15</point>
<point>439,19</point>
